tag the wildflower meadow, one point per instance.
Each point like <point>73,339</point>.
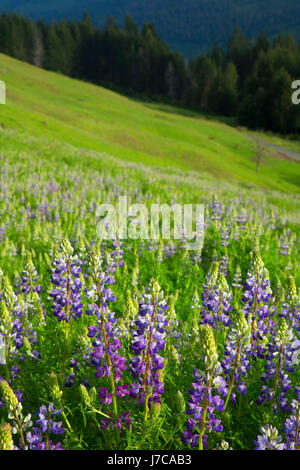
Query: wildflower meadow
<point>140,344</point>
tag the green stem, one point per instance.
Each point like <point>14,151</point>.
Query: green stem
<point>48,432</point>
<point>206,403</point>
<point>20,431</point>
<point>6,359</point>
<point>277,374</point>
<point>236,363</point>
<point>297,443</point>
<point>66,421</point>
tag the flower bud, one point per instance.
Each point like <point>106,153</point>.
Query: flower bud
<point>154,287</point>
<point>174,355</point>
<point>292,291</point>
<point>82,341</point>
<point>241,323</point>
<point>8,396</point>
<point>67,248</point>
<point>93,394</point>
<point>6,441</point>
<point>4,314</point>
<point>156,409</point>
<point>257,262</point>
<point>94,262</point>
<point>27,346</point>
<point>179,402</point>
<point>47,259</point>
<point>284,333</point>
<point>224,445</point>
<point>130,306</point>
<point>28,265</point>
<point>54,387</point>
<point>7,290</point>
<point>84,395</point>
<point>39,317</point>
<point>222,284</point>
<point>212,274</point>
<point>208,344</point>
<point>55,252</point>
<point>171,312</point>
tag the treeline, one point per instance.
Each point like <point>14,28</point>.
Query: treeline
<point>249,80</point>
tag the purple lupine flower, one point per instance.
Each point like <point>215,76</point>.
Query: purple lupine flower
<point>38,438</point>
<point>269,439</point>
<point>236,363</point>
<point>224,236</point>
<point>216,209</point>
<point>148,342</point>
<point>201,389</point>
<point>66,279</point>
<point>216,299</point>
<point>34,441</point>
<point>284,244</point>
<point>80,360</point>
<point>70,379</point>
<point>124,421</point>
<point>205,396</point>
<point>257,297</point>
<point>15,329</point>
<point>242,219</point>
<point>278,366</point>
<point>29,279</point>
<point>291,426</point>
<point>106,348</point>
<point>117,253</point>
<point>45,421</point>
<point>224,265</point>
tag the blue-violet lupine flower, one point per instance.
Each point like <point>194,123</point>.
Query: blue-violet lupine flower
<point>148,342</point>
<point>205,399</point>
<point>278,365</point>
<point>106,348</point>
<point>66,278</point>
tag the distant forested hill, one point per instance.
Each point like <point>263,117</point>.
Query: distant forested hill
<point>189,26</point>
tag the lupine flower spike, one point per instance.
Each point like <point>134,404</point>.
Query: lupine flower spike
<point>149,339</point>
<point>279,363</point>
<point>205,399</point>
<point>256,297</point>
<point>106,347</point>
<point>237,351</point>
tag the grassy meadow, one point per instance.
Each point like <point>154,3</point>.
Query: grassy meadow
<point>45,104</point>
<point>142,344</point>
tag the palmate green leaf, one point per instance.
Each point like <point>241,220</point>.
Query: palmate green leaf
<point>93,410</point>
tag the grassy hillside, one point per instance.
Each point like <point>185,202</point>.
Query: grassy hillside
<point>43,103</point>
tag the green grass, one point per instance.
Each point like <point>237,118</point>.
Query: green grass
<point>43,103</point>
<point>290,143</point>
